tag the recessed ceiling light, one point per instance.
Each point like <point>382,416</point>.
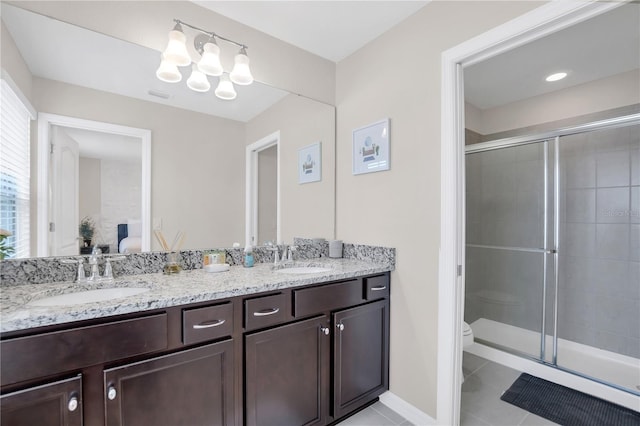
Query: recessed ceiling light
<point>557,76</point>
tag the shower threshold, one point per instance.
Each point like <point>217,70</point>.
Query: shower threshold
<point>620,371</point>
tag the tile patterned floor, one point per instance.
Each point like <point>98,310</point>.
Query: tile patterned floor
<point>377,414</point>
<point>484,383</point>
<point>481,404</point>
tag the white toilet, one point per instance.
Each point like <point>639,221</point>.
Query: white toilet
<point>467,340</point>
<point>467,335</point>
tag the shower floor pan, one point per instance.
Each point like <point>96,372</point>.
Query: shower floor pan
<point>619,370</point>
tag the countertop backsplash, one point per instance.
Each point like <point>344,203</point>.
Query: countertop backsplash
<point>50,269</point>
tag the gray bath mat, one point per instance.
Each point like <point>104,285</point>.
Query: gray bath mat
<point>566,406</point>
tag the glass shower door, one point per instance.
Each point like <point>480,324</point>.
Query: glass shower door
<point>599,283</point>
<point>508,199</point>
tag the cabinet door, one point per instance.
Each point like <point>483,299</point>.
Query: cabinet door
<point>287,374</point>
<point>53,404</point>
<point>361,355</point>
<point>191,387</point>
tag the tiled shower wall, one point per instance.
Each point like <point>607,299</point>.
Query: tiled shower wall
<point>599,295</point>
<point>599,280</point>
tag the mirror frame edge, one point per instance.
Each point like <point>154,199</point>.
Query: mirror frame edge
<point>45,121</point>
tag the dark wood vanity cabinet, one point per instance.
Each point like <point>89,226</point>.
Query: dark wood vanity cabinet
<point>190,387</point>
<point>299,356</point>
<point>53,404</point>
<point>315,371</point>
<point>286,372</point>
<point>360,355</point>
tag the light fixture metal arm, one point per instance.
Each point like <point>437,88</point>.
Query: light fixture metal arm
<point>210,33</point>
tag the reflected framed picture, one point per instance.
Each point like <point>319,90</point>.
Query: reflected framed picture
<point>310,163</point>
<point>371,148</point>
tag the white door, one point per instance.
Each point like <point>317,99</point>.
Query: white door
<point>65,159</point>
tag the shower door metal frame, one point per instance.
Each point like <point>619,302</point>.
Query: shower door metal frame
<point>545,250</point>
<point>627,120</point>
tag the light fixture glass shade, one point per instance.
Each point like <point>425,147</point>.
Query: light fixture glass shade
<point>210,61</point>
<point>225,89</point>
<point>198,81</point>
<point>168,72</point>
<point>176,51</point>
<point>241,74</point>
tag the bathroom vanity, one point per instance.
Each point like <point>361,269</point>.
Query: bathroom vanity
<point>249,346</point>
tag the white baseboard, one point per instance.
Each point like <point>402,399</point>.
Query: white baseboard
<point>406,410</point>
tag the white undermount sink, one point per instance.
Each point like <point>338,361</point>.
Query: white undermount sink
<point>303,270</point>
<point>88,296</point>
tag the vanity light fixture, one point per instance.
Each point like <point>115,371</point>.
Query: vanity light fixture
<point>205,43</point>
<point>556,76</point>
<point>225,89</point>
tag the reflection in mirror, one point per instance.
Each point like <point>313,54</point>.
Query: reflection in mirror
<point>197,147</point>
<point>89,164</point>
<point>267,194</point>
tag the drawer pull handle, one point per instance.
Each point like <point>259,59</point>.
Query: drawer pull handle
<point>73,404</point>
<point>325,330</point>
<point>383,287</point>
<point>340,326</point>
<point>209,324</point>
<point>265,312</point>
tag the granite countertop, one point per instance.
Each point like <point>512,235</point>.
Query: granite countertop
<point>166,290</point>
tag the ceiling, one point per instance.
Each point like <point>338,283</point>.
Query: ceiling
<point>330,29</point>
<point>603,46</point>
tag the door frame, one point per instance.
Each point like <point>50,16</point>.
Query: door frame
<point>45,121</point>
<point>547,19</point>
<point>251,187</point>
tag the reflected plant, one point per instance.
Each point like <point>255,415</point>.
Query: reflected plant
<point>5,248</point>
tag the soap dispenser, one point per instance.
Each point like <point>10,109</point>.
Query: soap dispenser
<point>248,257</point>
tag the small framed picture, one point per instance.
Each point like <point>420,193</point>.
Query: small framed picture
<point>310,163</point>
<point>371,148</point>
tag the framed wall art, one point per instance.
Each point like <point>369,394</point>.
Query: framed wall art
<point>371,148</point>
<point>310,163</point>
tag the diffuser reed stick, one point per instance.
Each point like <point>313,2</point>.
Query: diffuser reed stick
<point>177,241</point>
<point>161,240</point>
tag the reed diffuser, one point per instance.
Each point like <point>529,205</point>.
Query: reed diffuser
<point>172,264</point>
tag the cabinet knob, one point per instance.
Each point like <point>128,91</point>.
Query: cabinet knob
<point>72,405</point>
<point>111,393</point>
<point>325,330</point>
<point>340,326</point>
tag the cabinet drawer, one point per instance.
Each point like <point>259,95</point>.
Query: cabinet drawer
<point>327,297</point>
<point>376,287</point>
<point>264,311</point>
<point>41,355</point>
<point>208,323</point>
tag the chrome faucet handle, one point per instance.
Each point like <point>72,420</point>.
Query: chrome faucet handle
<point>290,251</point>
<point>276,253</point>
<point>108,271</point>
<point>81,277</point>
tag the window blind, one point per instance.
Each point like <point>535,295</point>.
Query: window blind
<point>14,171</point>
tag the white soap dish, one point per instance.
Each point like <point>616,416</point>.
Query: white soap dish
<point>216,267</point>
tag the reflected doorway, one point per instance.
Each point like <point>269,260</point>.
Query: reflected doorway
<point>263,191</point>
<point>62,205</point>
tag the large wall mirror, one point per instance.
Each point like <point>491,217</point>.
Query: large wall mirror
<point>195,164</point>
